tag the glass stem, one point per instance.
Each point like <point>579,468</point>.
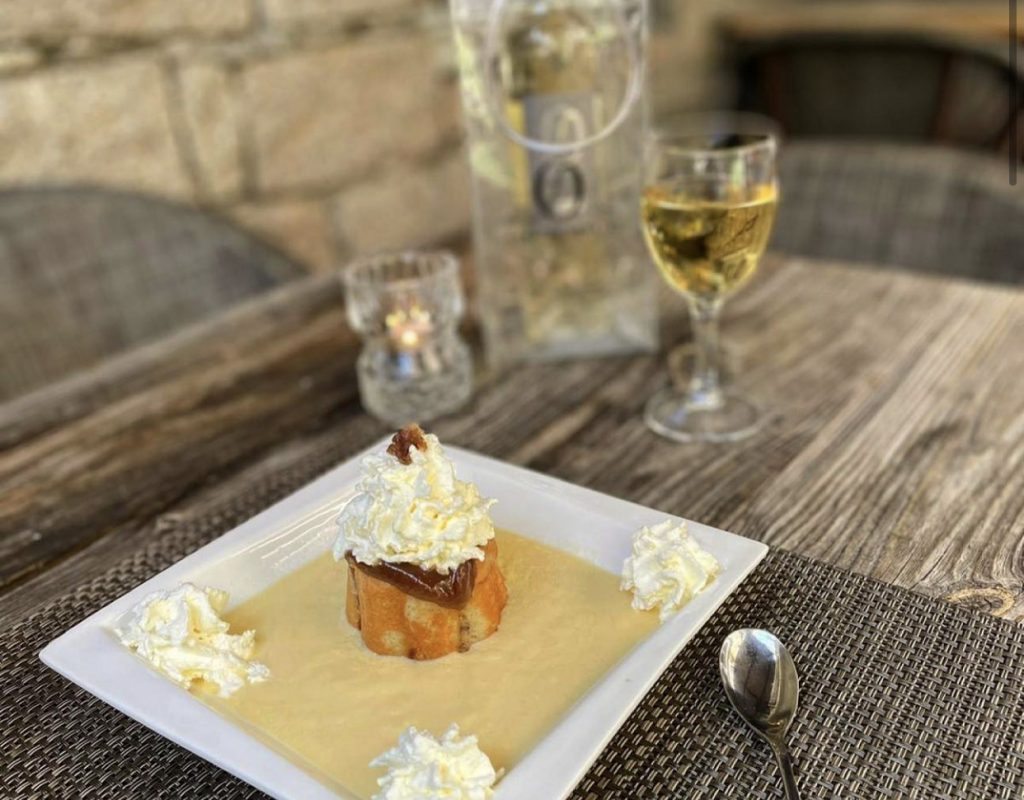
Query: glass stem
<point>705,391</point>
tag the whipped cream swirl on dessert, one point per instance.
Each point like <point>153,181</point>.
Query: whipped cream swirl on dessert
<point>412,509</point>
<point>667,568</point>
<point>182,635</point>
<point>424,768</point>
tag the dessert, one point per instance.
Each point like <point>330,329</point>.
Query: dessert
<point>181,634</point>
<point>666,568</point>
<point>420,551</point>
<point>422,767</point>
<point>423,573</point>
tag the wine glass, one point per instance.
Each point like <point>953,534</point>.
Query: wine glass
<point>708,205</point>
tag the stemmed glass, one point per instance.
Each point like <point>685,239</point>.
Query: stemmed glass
<point>708,205</point>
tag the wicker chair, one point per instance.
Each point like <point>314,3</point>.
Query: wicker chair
<point>86,273</point>
<point>929,209</point>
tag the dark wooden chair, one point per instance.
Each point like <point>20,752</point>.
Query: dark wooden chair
<point>86,273</point>
<point>921,87</point>
<point>930,209</point>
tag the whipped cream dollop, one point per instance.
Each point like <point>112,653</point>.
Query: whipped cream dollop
<point>424,768</point>
<point>182,635</point>
<point>667,568</point>
<point>415,513</point>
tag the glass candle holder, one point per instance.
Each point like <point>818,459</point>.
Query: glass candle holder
<point>407,306</point>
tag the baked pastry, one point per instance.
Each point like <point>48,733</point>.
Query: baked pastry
<point>423,573</point>
<point>398,616</point>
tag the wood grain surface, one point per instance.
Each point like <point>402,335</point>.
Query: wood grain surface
<point>892,446</point>
<point>113,447</point>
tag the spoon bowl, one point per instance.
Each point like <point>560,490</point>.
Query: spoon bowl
<point>761,683</point>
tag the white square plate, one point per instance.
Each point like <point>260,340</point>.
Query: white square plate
<point>299,528</point>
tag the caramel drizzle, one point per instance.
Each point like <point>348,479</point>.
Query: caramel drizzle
<point>451,591</point>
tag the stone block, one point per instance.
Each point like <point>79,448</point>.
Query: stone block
<point>407,207</point>
<point>300,228</point>
<point>142,18</point>
<point>105,124</point>
<point>209,114</point>
<point>18,59</point>
<point>323,117</point>
<point>288,11</point>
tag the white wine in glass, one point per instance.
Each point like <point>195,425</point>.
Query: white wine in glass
<point>707,247</point>
<point>707,209</point>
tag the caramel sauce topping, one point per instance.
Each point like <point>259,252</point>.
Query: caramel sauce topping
<point>451,591</point>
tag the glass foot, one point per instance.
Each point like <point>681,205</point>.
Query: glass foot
<point>670,414</point>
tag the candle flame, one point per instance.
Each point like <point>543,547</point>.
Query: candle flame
<point>408,326</point>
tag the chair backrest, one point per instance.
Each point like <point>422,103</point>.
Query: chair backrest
<point>930,209</point>
<point>914,88</point>
<point>87,272</point>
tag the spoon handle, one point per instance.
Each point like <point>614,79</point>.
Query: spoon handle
<point>785,760</point>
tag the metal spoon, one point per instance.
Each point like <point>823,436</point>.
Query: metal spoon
<point>761,683</point>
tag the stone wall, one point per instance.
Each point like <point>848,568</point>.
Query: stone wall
<point>328,127</point>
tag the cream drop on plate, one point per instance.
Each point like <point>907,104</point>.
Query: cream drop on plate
<point>182,635</point>
<point>667,568</point>
<point>424,767</point>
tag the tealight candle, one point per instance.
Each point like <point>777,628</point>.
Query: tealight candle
<point>414,365</point>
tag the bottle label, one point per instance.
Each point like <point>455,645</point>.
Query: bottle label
<point>562,184</point>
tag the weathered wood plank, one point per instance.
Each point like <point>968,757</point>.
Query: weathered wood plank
<point>208,343</point>
<point>349,434</point>
<point>125,443</point>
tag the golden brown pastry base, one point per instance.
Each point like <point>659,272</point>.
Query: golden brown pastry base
<point>394,623</point>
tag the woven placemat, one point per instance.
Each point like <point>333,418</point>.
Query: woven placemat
<point>901,696</point>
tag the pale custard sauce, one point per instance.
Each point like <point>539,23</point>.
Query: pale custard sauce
<point>332,705</point>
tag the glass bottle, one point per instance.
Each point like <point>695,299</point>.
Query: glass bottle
<point>553,98</point>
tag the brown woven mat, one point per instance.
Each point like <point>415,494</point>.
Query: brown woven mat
<point>901,696</point>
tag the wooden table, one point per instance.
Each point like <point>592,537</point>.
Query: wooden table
<point>894,442</point>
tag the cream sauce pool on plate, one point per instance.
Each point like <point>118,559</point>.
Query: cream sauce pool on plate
<point>331,705</point>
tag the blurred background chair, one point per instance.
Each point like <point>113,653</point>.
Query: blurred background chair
<point>86,273</point>
<point>916,88</point>
<point>939,74</point>
<point>927,208</point>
